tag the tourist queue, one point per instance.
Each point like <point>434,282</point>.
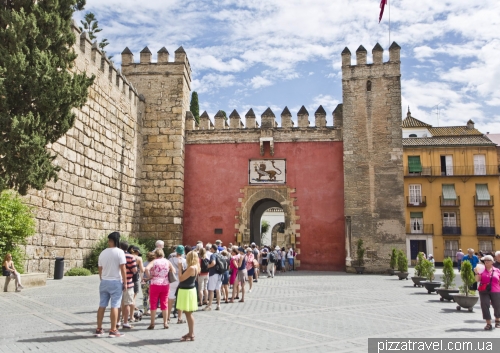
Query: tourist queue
<point>180,283</point>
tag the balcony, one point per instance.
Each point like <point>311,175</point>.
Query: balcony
<point>416,201</point>
<point>483,203</point>
<point>455,171</point>
<point>452,230</point>
<point>420,229</point>
<point>488,231</point>
<point>449,203</point>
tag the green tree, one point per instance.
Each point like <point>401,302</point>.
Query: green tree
<point>91,26</point>
<point>17,223</point>
<point>37,88</point>
<point>468,278</point>
<point>264,228</point>
<point>360,252</point>
<point>402,262</point>
<point>448,273</point>
<point>194,107</point>
<point>394,258</point>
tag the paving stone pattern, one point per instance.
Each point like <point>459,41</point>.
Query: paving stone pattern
<point>296,312</point>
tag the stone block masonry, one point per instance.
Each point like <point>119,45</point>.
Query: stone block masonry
<point>97,190</point>
<point>166,86</point>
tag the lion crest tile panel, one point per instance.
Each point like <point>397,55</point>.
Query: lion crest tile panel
<point>267,171</point>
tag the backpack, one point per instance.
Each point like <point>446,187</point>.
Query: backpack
<point>272,257</point>
<point>221,264</point>
<point>204,265</point>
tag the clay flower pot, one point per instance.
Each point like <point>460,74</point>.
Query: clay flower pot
<point>465,302</point>
<point>446,294</point>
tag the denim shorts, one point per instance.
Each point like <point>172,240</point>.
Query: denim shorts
<point>225,278</point>
<point>110,290</point>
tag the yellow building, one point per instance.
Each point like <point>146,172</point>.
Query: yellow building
<point>451,186</point>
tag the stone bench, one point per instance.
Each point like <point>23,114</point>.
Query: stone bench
<point>28,280</point>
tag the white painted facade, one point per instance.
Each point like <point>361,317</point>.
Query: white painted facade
<point>273,216</point>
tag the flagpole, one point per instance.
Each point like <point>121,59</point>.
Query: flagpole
<point>389,2</point>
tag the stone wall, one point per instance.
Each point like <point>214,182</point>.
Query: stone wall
<point>373,165</point>
<point>97,190</point>
<point>165,86</point>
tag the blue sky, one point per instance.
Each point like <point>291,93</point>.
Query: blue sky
<point>277,53</point>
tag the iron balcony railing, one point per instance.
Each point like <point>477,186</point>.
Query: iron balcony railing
<point>416,201</point>
<point>486,231</point>
<point>417,228</point>
<point>470,170</point>
<point>483,203</point>
<point>449,203</point>
<point>447,230</point>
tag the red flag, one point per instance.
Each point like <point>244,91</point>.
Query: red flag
<point>382,7</point>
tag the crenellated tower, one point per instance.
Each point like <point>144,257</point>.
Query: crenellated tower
<point>165,87</point>
<point>373,167</point>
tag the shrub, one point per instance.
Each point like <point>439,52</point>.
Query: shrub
<point>360,252</point>
<point>17,223</point>
<point>448,274</point>
<point>418,266</point>
<point>468,278</point>
<point>394,258</point>
<point>91,263</point>
<point>78,271</point>
<point>402,262</point>
<point>428,270</point>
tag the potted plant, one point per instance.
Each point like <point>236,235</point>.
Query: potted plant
<point>394,261</point>
<point>402,265</point>
<point>428,270</point>
<point>447,287</point>
<point>360,253</point>
<point>419,277</point>
<point>467,298</point>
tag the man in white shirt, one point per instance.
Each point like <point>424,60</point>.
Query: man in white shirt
<point>113,282</point>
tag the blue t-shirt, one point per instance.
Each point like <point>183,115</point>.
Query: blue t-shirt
<point>212,271</point>
<point>474,261</point>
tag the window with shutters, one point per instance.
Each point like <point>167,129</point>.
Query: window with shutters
<point>414,165</point>
<point>450,248</point>
<point>486,246</point>
<point>447,165</point>
<point>485,224</point>
<point>415,194</point>
<point>483,219</point>
<point>416,223</point>
<point>451,223</point>
<point>479,164</point>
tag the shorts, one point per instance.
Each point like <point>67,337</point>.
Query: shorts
<point>225,278</point>
<point>242,276</point>
<point>251,272</point>
<point>128,296</point>
<point>202,282</point>
<point>136,287</point>
<point>290,261</point>
<point>173,290</point>
<point>214,282</point>
<point>110,290</point>
<point>264,262</point>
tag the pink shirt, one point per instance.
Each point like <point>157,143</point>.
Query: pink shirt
<point>249,261</point>
<point>159,272</point>
<point>233,259</point>
<point>485,279</point>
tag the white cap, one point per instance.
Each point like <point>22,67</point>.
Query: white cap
<point>487,258</point>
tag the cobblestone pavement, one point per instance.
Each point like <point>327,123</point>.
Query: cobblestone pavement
<point>295,312</point>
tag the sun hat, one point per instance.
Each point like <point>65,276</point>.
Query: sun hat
<point>179,249</point>
<point>487,258</point>
<point>277,248</point>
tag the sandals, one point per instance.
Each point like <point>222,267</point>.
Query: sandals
<point>181,322</point>
<point>187,338</point>
<point>165,326</point>
<point>497,324</point>
<point>151,327</point>
<point>241,301</point>
<point>488,327</point>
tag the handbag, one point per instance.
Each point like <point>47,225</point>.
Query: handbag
<point>172,277</point>
<point>5,272</point>
<point>486,287</point>
<point>255,264</point>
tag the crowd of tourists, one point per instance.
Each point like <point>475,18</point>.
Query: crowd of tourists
<point>188,279</point>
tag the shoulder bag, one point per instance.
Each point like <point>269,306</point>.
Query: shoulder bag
<point>172,277</point>
<point>486,287</point>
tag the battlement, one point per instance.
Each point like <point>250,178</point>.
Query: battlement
<point>268,120</point>
<point>91,60</point>
<point>364,70</point>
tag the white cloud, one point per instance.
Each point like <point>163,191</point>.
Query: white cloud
<point>259,81</point>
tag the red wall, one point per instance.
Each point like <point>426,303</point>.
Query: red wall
<point>215,173</point>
